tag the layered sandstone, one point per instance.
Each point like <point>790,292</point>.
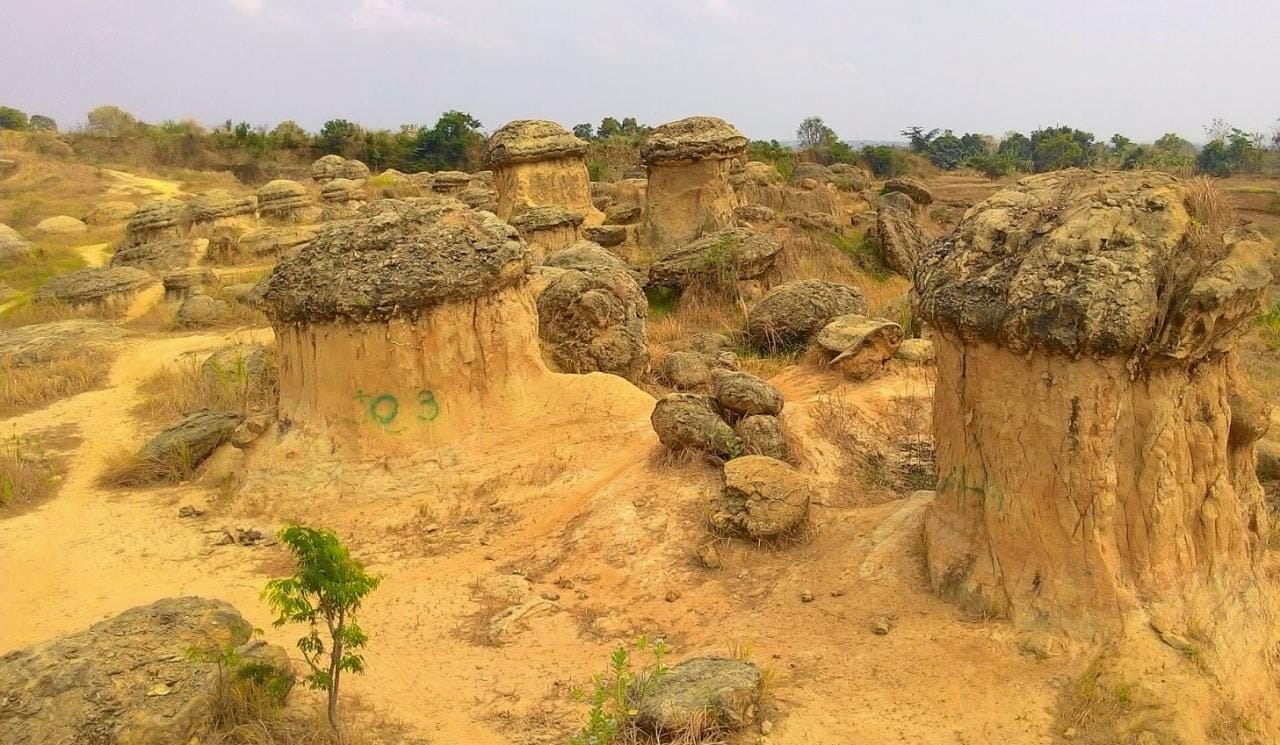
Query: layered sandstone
<point>688,190</point>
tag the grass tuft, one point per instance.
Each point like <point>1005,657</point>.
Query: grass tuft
<point>26,472</point>
<point>33,386</point>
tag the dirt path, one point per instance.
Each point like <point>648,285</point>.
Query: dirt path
<point>134,184</point>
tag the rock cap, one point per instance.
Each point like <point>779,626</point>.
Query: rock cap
<point>531,140</point>
<point>692,139</point>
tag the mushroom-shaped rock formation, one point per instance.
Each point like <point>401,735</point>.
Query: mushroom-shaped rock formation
<point>537,163</point>
<point>719,258</point>
<point>12,244</point>
<point>790,313</point>
<point>450,183</point>
<point>221,207</point>
<point>157,256</point>
<point>159,218</point>
<point>1088,477</point>
<point>343,191</point>
<point>404,321</point>
<point>548,229</point>
<point>284,201</point>
<point>913,188</point>
<point>330,167</point>
<point>689,194</point>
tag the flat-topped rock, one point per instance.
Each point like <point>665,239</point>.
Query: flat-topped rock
<point>691,139</point>
<point>217,204</point>
<point>405,259</point>
<point>725,255</point>
<point>157,256</point>
<point>282,196</point>
<point>42,342</point>
<point>546,218</point>
<point>530,140</point>
<point>94,285</point>
<point>162,216</point>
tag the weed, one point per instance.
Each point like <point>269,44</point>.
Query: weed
<point>32,386</point>
<point>173,392</point>
<point>26,472</point>
<point>616,693</point>
<point>128,469</point>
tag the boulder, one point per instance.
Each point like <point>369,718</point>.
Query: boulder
<point>343,190</point>
<point>179,284</point>
<point>44,342</point>
<point>585,256</point>
<point>622,214</point>
<point>284,200</point>
<point>744,394</point>
<point>901,239</point>
<point>354,170</point>
<point>810,171</point>
<point>1268,454</point>
<point>157,256</point>
<point>692,421</point>
<point>531,141</point>
<point>60,225</point>
<point>440,253</point>
<point>111,212</point>
<point>95,286</point>
<point>761,434</point>
<point>761,498</point>
<point>700,695</point>
<point>194,438</point>
<point>790,313</point>
<point>754,215</point>
<point>858,346</point>
<point>848,178</point>
<point>606,235</point>
<point>161,217</point>
<point>250,365</point>
<point>130,678</point>
<point>917,351</point>
<point>327,167</point>
<point>202,310</point>
<point>592,320</point>
<point>761,173</point>
<point>711,342</point>
<point>913,188</point>
<point>724,256</point>
<point>899,201</point>
<point>274,242</point>
<point>685,371</point>
<point>12,244</point>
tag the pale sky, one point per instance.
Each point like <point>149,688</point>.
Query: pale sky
<point>869,69</point>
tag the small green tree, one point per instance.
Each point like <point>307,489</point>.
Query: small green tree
<point>327,590</point>
<point>11,118</point>
<point>583,131</point>
<point>42,123</point>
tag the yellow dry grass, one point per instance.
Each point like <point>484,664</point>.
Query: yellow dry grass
<point>26,472</point>
<point>173,392</point>
<point>33,386</point>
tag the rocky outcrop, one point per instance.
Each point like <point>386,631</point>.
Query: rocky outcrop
<point>106,288</point>
<point>131,678</point>
<point>689,195</point>
<point>848,178</point>
<point>858,346</point>
<point>162,218</point>
<point>449,183</point>
<point>762,498</point>
<point>274,242</point>
<point>901,239</point>
<point>790,313</point>
<point>719,258</point>
<point>180,284</point>
<point>704,694</point>
<point>591,317</point>
<point>44,342</point>
<point>913,188</point>
<point>201,311</point>
<point>286,202</point>
<point>249,365</point>
<point>192,439</point>
<point>692,422</point>
<point>219,205</point>
<point>60,225</point>
<point>12,244</point>
<point>606,235</point>
<point>1089,479</point>
<point>157,256</point>
<point>537,163</point>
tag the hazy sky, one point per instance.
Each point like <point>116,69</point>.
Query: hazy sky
<point>868,68</point>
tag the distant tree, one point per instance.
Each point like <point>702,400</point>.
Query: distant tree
<point>946,151</point>
<point>289,135</point>
<point>324,592</point>
<point>111,121</point>
<point>918,139</point>
<point>1120,143</point>
<point>339,137</point>
<point>11,118</point>
<point>42,123</point>
<point>1018,148</point>
<point>841,152</point>
<point>1237,151</point>
<point>609,127</point>
<point>994,165</point>
<point>449,144</point>
<point>1055,148</point>
<point>585,131</point>
<point>884,161</point>
<point>814,135</point>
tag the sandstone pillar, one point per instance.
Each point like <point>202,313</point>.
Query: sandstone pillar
<point>688,192</point>
<point>540,164</point>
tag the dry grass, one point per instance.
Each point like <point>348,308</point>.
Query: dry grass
<point>33,386</point>
<point>27,474</point>
<point>163,316</point>
<point>172,392</point>
<point>128,469</point>
<point>44,187</point>
<point>1095,708</point>
<point>1212,216</point>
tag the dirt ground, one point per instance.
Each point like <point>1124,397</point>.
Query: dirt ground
<point>512,573</point>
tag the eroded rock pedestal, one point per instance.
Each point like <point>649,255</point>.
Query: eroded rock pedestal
<point>1093,479</point>
<point>538,163</point>
<point>689,193</point>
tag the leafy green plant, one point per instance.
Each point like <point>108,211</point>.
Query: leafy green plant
<point>615,694</point>
<point>236,669</point>
<point>325,591</point>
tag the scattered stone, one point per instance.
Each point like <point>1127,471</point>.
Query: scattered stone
<point>858,346</point>
<point>790,313</point>
<point>60,225</point>
<point>685,371</point>
<point>913,188</point>
<point>672,596</point>
<point>692,421</point>
<point>189,511</point>
<point>762,435</point>
<point>128,679</point>
<point>806,596</point>
<point>901,239</point>
<point>606,235</point>
<point>917,351</point>
<point>12,244</point>
<point>700,693</point>
<point>724,256</point>
<point>881,625</point>
<point>744,394</point>
<point>761,498</point>
<point>243,537</point>
<point>194,438</point>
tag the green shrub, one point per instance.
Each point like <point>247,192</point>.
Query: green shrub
<point>885,161</point>
<point>615,694</point>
